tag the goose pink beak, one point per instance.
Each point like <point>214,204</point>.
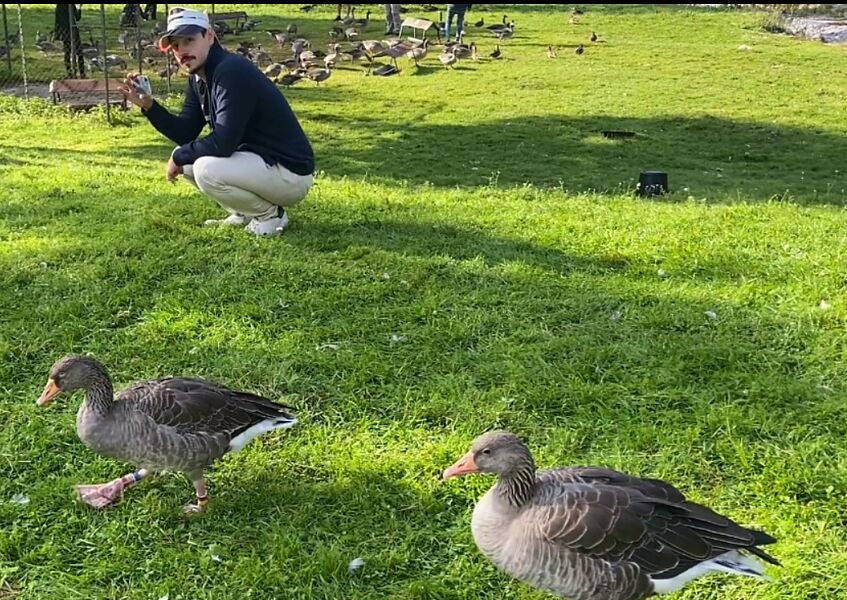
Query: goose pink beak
<point>50,390</point>
<point>463,466</point>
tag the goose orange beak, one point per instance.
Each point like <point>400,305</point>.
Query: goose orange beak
<point>50,390</point>
<point>463,466</point>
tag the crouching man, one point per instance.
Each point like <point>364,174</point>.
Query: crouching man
<point>256,160</point>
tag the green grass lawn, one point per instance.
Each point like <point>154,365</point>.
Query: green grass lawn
<point>471,257</point>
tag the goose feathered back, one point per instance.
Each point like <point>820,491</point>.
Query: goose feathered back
<point>176,423</point>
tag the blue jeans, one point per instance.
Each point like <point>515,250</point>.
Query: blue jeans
<point>459,13</point>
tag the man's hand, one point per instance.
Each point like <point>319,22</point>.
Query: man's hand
<point>128,89</point>
<point>172,171</point>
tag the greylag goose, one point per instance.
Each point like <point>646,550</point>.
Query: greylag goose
<point>447,58</point>
<point>499,25</point>
<point>588,533</point>
<point>318,75</point>
<point>362,23</point>
<point>418,53</point>
<point>171,423</point>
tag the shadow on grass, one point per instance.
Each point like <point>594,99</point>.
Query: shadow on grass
<point>433,240</point>
<point>721,159</point>
<point>492,302</point>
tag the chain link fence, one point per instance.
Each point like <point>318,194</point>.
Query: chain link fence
<point>44,43</point>
<point>49,43</point>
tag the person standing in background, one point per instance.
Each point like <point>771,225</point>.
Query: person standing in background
<point>66,28</point>
<point>392,19</point>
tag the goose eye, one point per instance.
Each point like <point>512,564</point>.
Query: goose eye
<point>486,451</point>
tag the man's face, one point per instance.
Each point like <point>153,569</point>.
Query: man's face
<point>191,51</point>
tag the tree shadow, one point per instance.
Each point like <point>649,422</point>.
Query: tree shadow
<point>534,297</point>
<point>430,240</point>
<point>710,157</point>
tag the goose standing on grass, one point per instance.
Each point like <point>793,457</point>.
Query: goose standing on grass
<point>362,23</point>
<point>171,423</point>
<point>447,58</point>
<point>418,53</point>
<point>587,533</point>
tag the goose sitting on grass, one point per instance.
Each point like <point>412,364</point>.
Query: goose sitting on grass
<point>588,533</point>
<point>171,423</point>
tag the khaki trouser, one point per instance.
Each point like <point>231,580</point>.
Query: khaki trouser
<point>244,184</point>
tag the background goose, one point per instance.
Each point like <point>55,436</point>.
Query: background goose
<point>362,23</point>
<point>172,423</point>
<point>499,25</point>
<point>447,58</point>
<point>419,53</point>
<point>587,533</point>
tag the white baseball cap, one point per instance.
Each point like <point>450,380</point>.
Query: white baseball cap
<point>183,22</point>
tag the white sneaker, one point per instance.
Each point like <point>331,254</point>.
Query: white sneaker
<point>269,227</point>
<point>234,220</point>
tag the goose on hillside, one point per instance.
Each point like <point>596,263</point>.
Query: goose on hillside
<point>588,533</point>
<point>172,423</point>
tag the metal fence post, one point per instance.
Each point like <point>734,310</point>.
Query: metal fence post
<point>168,53</point>
<point>105,68</point>
<point>8,45</point>
<point>23,54</point>
<point>72,41</point>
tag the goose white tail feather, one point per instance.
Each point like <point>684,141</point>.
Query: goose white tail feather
<point>734,562</point>
<point>245,437</point>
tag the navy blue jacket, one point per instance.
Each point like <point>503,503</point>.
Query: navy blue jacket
<point>245,111</point>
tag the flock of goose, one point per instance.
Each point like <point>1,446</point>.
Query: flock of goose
<point>346,44</point>
<point>583,533</point>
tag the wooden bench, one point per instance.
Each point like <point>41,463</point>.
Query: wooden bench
<point>419,24</point>
<point>238,16</point>
<point>81,94</point>
<point>401,48</point>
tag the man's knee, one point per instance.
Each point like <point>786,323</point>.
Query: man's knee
<point>205,173</point>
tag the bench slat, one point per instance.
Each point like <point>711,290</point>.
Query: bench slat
<point>81,93</point>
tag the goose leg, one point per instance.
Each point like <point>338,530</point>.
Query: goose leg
<point>202,498</point>
<point>105,494</point>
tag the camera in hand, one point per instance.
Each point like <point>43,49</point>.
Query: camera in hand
<point>142,85</point>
